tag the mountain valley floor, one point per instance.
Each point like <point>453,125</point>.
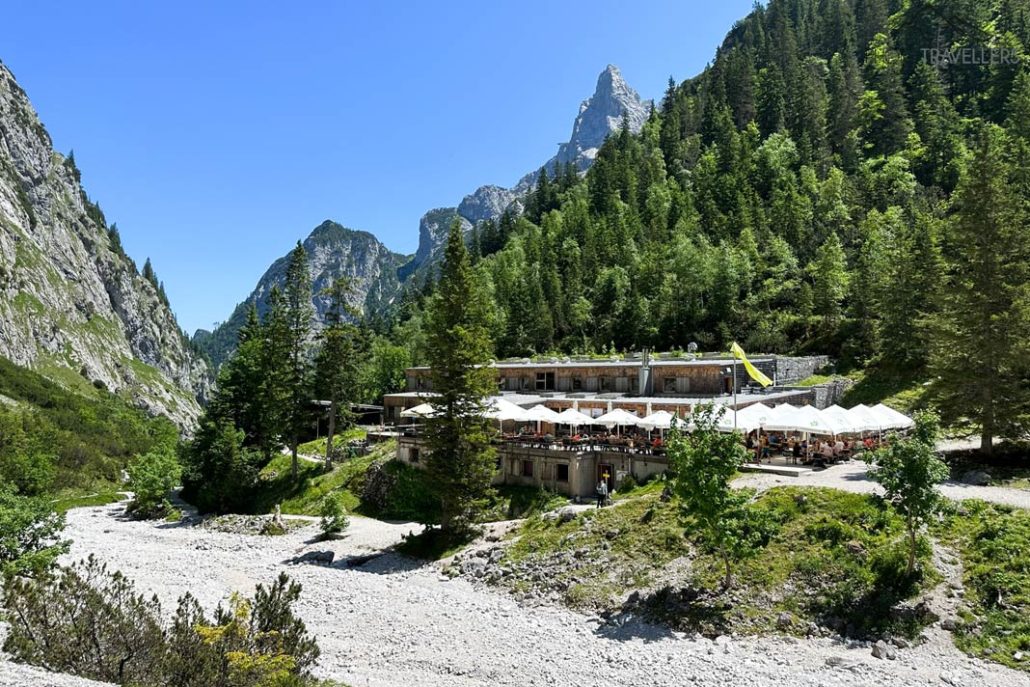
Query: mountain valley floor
<point>391,620</point>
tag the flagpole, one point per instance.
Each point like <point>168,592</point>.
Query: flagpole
<point>734,393</point>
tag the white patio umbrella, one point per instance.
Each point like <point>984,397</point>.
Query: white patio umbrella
<point>501,409</point>
<point>618,418</point>
<point>753,417</point>
<point>865,418</point>
<point>812,421</point>
<point>421,410</point>
<point>540,413</point>
<point>840,420</point>
<point>892,418</point>
<point>661,419</point>
<point>574,418</point>
<point>782,418</point>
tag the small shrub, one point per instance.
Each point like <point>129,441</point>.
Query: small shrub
<point>334,516</point>
<point>29,533</point>
<point>628,483</point>
<point>152,476</point>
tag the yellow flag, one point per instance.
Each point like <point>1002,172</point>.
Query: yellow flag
<point>753,371</point>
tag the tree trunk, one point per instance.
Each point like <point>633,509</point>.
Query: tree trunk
<point>727,581</point>
<point>987,424</point>
<point>911,548</point>
<point>295,467</point>
<point>329,435</point>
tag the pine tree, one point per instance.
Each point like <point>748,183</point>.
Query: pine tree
<point>461,459</point>
<point>978,360</point>
<point>299,314</point>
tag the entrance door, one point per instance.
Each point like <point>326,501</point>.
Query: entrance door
<point>607,473</point>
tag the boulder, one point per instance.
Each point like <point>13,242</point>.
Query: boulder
<point>979,478</point>
<point>883,650</point>
<point>316,558</point>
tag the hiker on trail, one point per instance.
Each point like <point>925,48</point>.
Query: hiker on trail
<point>602,493</point>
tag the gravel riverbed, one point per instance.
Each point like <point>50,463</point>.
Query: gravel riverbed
<point>393,622</point>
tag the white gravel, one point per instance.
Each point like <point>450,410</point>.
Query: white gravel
<point>391,622</point>
<point>852,476</point>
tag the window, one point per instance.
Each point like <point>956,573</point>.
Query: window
<point>577,383</point>
<point>413,455</point>
<point>563,472</point>
<point>606,383</point>
<point>545,381</point>
<point>527,468</point>
<point>669,385</point>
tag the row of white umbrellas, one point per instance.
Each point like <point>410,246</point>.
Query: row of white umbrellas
<point>831,421</point>
<point>781,418</point>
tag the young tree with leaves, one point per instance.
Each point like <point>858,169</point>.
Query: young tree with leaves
<point>909,471</point>
<point>461,459</point>
<point>704,462</point>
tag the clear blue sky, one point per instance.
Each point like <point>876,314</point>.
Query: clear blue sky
<point>218,134</point>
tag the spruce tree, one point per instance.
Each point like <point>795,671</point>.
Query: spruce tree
<point>299,314</point>
<point>461,459</point>
<point>338,358</point>
<point>979,359</point>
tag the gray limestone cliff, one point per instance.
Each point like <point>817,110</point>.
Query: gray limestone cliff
<point>333,251</point>
<point>599,115</point>
<point>72,305</point>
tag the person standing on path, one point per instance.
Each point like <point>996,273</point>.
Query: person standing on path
<point>602,493</point>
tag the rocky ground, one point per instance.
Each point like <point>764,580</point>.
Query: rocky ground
<point>388,621</point>
<point>852,476</point>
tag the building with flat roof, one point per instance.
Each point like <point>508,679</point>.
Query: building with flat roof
<point>641,385</point>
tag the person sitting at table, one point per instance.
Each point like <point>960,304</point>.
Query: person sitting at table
<point>826,451</point>
<point>796,450</point>
<point>838,447</point>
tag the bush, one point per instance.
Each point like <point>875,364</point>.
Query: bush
<point>628,483</point>
<point>29,533</point>
<point>151,477</point>
<point>334,515</point>
<point>219,474</point>
<point>91,622</point>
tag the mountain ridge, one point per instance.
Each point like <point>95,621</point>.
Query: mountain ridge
<point>598,116</point>
<point>73,305</point>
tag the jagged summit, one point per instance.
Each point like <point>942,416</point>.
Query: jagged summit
<point>599,115</point>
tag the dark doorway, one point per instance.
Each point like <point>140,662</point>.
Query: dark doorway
<point>607,473</point>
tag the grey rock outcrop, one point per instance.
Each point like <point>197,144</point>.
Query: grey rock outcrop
<point>333,251</point>
<point>72,305</point>
<point>599,115</point>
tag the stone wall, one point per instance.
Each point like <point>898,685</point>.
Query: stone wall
<point>790,370</point>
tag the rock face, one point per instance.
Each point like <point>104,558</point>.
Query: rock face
<point>72,305</point>
<point>599,115</point>
<point>333,251</point>
<point>336,251</point>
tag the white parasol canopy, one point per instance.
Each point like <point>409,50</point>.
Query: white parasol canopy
<point>867,420</point>
<point>662,419</point>
<point>618,417</point>
<point>421,410</point>
<point>755,416</point>
<point>571,416</point>
<point>501,409</point>
<point>892,419</point>
<point>840,420</point>
<point>540,413</point>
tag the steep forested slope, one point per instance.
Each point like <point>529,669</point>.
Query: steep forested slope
<point>794,196</point>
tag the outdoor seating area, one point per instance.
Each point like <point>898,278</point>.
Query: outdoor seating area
<point>783,434</point>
